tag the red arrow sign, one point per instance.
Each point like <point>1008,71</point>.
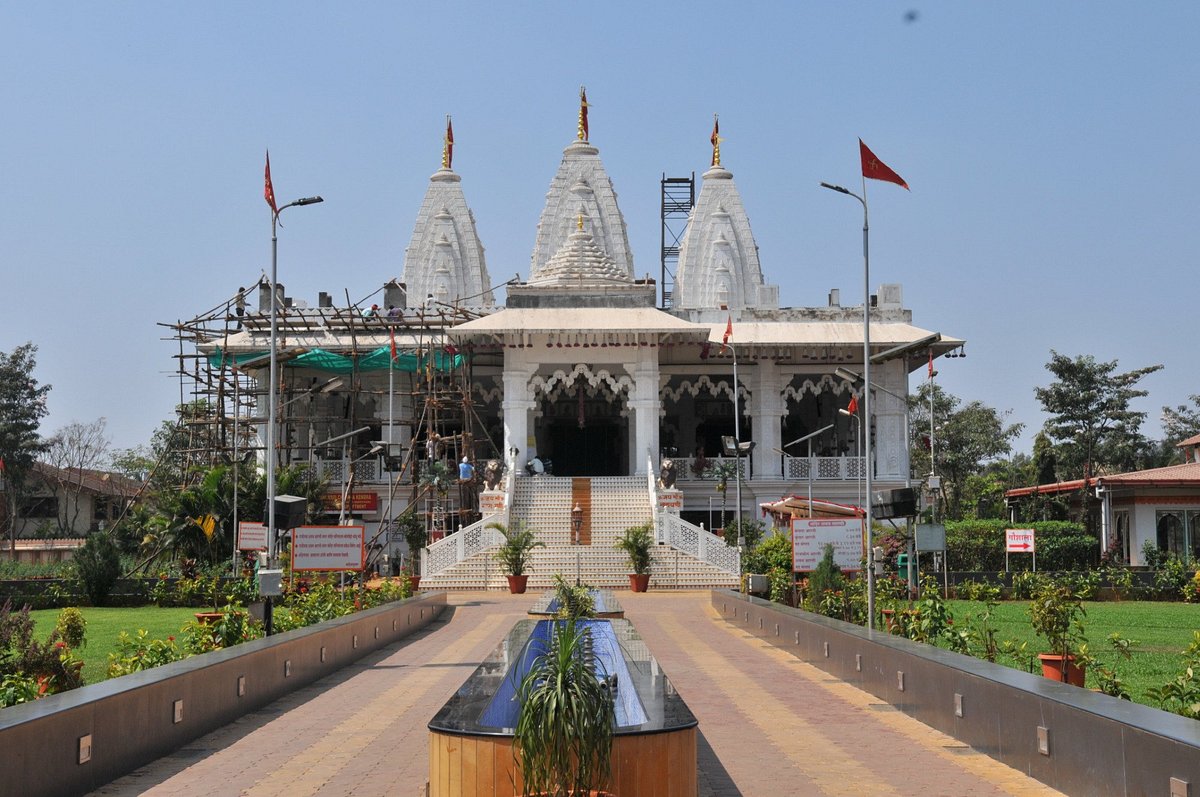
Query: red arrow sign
<point>1023,545</point>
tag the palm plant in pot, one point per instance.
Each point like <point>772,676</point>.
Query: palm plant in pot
<point>563,739</point>
<point>636,542</point>
<point>515,553</point>
<point>1056,613</point>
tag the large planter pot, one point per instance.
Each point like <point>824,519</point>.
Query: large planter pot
<point>414,583</point>
<point>516,584</point>
<point>1052,666</point>
<point>639,582</point>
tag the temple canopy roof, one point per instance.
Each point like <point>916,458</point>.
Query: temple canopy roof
<point>445,258</point>
<point>540,320</point>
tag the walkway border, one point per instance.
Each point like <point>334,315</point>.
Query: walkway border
<point>1074,740</point>
<point>77,741</point>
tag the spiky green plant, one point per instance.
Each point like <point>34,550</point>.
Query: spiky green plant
<point>563,738</point>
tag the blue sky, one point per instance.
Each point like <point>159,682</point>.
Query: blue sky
<point>1050,148</point>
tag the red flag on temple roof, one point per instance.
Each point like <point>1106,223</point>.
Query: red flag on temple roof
<point>268,190</point>
<point>876,169</point>
<point>583,114</point>
<point>449,144</point>
<point>393,347</point>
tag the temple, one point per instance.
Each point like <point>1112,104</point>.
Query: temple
<point>586,382</point>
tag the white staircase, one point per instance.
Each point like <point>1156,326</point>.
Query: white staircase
<point>610,505</point>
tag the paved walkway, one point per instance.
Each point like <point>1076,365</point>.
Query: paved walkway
<point>769,724</point>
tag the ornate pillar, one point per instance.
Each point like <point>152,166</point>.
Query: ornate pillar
<point>767,409</point>
<point>643,400</point>
<point>891,449</point>
<point>516,405</point>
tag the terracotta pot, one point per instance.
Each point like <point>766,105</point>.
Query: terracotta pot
<point>516,584</point>
<point>889,621</point>
<point>414,583</point>
<point>639,582</point>
<point>1052,669</point>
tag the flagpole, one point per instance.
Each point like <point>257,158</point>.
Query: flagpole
<point>866,425</point>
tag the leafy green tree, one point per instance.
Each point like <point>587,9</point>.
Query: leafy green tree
<point>1091,422</point>
<point>98,564</point>
<point>1181,422</point>
<point>967,438</point>
<point>723,471</point>
<point>22,407</point>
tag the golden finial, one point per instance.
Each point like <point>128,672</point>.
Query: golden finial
<point>583,120</point>
<point>579,223</point>
<point>448,145</point>
<point>716,142</point>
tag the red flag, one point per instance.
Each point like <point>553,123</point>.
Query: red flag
<point>728,332</point>
<point>876,169</point>
<point>393,333</point>
<point>853,406</point>
<point>451,349</point>
<point>449,143</point>
<point>268,190</point>
<point>715,138</point>
<point>931,363</point>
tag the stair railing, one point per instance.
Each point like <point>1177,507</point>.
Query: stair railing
<point>696,542</point>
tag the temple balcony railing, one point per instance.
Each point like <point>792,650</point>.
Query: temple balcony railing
<point>794,468</point>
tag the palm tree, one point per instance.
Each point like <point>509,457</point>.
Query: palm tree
<point>723,470</point>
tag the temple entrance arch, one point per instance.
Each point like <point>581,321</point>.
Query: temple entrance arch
<point>581,421</point>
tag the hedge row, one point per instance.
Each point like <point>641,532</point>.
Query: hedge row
<point>979,545</point>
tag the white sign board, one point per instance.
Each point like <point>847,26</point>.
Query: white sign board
<point>328,548</point>
<point>811,535</point>
<point>252,537</point>
<point>1018,541</point>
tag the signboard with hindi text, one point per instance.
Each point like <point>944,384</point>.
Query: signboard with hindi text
<point>811,535</point>
<point>328,548</point>
<point>1018,541</point>
<point>252,537</point>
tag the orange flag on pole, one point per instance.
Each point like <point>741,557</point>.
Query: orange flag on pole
<point>876,169</point>
<point>853,406</point>
<point>728,332</point>
<point>393,346</point>
<point>268,190</point>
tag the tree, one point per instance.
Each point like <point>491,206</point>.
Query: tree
<point>1091,422</point>
<point>723,470</point>
<point>22,407</point>
<point>72,450</point>
<point>1181,422</point>
<point>966,439</point>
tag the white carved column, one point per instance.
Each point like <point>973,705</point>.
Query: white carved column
<point>891,449</point>
<point>516,405</point>
<point>767,409</point>
<point>643,400</point>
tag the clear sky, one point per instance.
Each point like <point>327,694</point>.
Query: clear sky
<point>1051,150</point>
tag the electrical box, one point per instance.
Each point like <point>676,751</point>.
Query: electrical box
<point>270,583</point>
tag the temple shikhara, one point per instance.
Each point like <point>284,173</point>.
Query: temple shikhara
<point>589,389</point>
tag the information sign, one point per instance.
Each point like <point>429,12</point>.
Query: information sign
<point>252,537</point>
<point>1018,541</point>
<point>355,502</point>
<point>811,535</point>
<point>328,548</point>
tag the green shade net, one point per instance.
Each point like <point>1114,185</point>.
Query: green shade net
<point>334,363</point>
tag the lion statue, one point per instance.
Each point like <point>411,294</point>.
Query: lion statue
<point>666,475</point>
<point>493,471</point>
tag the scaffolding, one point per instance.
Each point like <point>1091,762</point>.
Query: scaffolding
<point>339,368</point>
<point>678,198</point>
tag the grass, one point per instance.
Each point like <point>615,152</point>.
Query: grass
<point>104,625</point>
<point>1161,632</point>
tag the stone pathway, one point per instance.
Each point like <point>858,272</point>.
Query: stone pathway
<point>769,723</point>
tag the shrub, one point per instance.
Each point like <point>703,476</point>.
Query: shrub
<point>140,652</point>
<point>827,577</point>
<point>98,566</point>
<point>774,552</point>
<point>71,627</point>
<point>978,545</point>
<point>17,689</point>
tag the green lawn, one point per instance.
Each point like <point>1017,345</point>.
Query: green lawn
<point>1161,631</point>
<point>104,625</point>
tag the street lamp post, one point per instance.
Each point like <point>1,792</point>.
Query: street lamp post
<point>866,398</point>
<point>274,378</point>
<point>808,438</point>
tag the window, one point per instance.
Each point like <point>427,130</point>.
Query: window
<point>1121,534</point>
<point>39,507</point>
<point>1171,538</point>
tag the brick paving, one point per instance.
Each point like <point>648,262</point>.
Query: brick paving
<point>769,723</point>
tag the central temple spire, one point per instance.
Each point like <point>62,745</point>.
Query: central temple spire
<point>583,120</point>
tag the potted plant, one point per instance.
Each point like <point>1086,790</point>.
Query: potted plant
<point>563,740</point>
<point>514,553</point>
<point>636,542</point>
<point>417,537</point>
<point>1056,612</point>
